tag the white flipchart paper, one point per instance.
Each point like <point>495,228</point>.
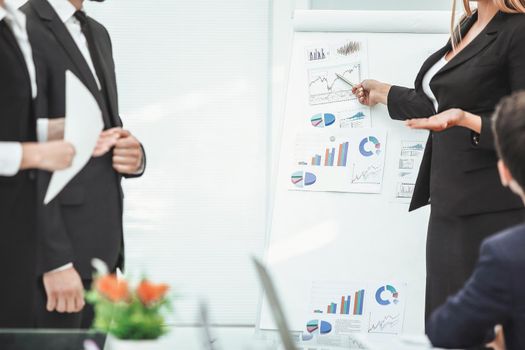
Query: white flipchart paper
<point>82,129</point>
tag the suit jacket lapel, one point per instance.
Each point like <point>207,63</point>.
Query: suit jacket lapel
<point>110,90</point>
<point>485,38</point>
<point>109,81</point>
<point>431,61</point>
<point>11,40</point>
<point>57,27</point>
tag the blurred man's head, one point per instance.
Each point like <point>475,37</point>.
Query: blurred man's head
<point>509,128</point>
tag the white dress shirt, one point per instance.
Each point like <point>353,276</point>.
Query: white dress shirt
<point>11,152</point>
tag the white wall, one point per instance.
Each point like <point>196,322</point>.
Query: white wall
<point>381,4</point>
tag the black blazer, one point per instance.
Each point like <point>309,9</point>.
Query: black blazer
<point>85,220</point>
<point>17,194</point>
<point>493,296</point>
<point>459,175</point>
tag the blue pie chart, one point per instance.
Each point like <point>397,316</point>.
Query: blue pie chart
<point>387,295</point>
<point>370,146</point>
<point>303,179</point>
<point>325,327</point>
<point>322,119</point>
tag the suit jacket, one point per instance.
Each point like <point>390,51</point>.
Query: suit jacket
<point>85,220</point>
<point>17,194</point>
<point>459,175</point>
<point>492,296</point>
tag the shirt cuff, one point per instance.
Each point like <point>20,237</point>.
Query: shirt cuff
<point>10,158</point>
<point>62,268</point>
<point>142,164</point>
<point>42,126</point>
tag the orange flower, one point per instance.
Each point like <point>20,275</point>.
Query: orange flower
<point>150,293</point>
<point>113,288</point>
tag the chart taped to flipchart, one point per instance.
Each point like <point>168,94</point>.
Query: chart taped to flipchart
<point>339,161</point>
<point>346,255</point>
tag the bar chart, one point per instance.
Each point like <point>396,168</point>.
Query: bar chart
<point>345,306</point>
<point>329,156</point>
<point>336,158</point>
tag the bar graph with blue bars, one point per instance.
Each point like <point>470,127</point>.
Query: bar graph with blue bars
<point>329,158</point>
<point>346,301</point>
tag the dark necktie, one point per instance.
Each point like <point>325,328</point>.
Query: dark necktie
<point>95,57</point>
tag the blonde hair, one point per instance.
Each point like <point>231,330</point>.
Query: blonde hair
<point>507,6</point>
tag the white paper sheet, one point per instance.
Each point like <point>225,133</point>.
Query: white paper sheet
<point>82,129</point>
<point>345,160</point>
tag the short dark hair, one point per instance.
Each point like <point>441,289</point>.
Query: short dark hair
<point>509,130</point>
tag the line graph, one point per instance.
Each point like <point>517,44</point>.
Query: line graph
<point>389,324</point>
<point>372,174</point>
<point>325,87</point>
<point>412,149</point>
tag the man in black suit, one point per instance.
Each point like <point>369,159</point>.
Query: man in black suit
<point>85,220</point>
<point>19,152</point>
<point>494,295</point>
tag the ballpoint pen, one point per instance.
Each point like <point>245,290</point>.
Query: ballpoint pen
<point>345,80</point>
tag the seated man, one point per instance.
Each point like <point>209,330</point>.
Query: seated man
<point>495,294</point>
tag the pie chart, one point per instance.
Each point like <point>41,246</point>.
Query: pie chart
<point>302,179</point>
<point>312,326</point>
<point>391,293</point>
<point>307,336</point>
<point>370,146</point>
<point>322,119</point>
<point>323,326</point>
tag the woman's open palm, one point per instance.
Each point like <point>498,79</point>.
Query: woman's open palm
<point>438,122</point>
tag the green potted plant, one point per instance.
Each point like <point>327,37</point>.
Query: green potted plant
<point>134,318</point>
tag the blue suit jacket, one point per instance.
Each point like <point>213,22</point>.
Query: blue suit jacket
<point>495,294</point>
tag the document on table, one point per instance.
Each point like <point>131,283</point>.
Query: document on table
<point>82,129</point>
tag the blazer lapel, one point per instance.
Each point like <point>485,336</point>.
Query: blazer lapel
<point>46,12</point>
<point>485,38</point>
<point>431,61</point>
<point>11,40</point>
<point>109,82</point>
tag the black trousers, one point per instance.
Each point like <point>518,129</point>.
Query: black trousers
<point>18,248</point>
<point>453,245</point>
<point>56,320</point>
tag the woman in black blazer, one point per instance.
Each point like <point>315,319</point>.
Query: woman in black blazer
<point>463,82</point>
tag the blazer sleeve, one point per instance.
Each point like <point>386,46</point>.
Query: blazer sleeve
<point>468,319</point>
<point>144,163</point>
<point>404,103</point>
<point>516,76</point>
<point>142,169</point>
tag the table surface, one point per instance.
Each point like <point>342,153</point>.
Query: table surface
<point>184,338</point>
